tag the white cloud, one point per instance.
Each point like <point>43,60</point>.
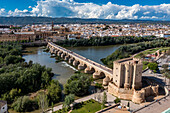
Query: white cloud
<point>70,8</point>
<point>147,12</point>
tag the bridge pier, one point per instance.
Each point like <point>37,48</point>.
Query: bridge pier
<point>63,55</point>
<point>55,51</point>
<point>66,58</point>
<point>81,67</point>
<point>59,53</point>
<point>75,63</point>
<point>88,71</point>
<point>106,81</point>
<point>70,61</point>
<point>96,75</point>
<point>51,50</point>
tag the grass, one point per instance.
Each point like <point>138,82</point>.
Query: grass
<point>150,51</point>
<point>145,64</point>
<point>90,106</point>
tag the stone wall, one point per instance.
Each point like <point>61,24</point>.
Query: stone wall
<point>134,95</point>
<point>120,92</point>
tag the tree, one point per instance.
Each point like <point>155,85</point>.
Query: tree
<point>24,104</point>
<point>54,91</point>
<point>42,101</point>
<point>11,59</point>
<point>69,99</point>
<point>153,66</point>
<point>14,94</point>
<point>45,78</point>
<point>1,60</point>
<point>78,84</point>
<point>104,99</point>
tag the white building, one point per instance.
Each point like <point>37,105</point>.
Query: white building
<point>3,107</point>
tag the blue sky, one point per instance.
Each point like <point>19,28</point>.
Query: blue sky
<point>105,9</point>
<point>24,4</point>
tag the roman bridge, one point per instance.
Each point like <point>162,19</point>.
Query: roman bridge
<point>89,66</point>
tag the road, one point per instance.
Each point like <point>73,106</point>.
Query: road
<point>77,101</point>
<point>157,107</point>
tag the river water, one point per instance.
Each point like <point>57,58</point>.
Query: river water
<point>62,70</point>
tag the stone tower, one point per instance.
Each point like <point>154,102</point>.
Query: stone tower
<point>127,73</point>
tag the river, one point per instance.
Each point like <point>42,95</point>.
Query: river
<point>62,70</point>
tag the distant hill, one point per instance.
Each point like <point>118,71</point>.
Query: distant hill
<point>47,20</point>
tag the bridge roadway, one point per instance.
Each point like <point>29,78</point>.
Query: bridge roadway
<point>98,67</point>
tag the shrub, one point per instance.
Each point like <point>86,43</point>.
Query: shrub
<point>153,66</point>
<point>54,91</point>
<point>24,104</point>
<point>78,84</point>
<point>117,100</point>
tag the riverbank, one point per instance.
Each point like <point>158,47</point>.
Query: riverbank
<point>128,50</point>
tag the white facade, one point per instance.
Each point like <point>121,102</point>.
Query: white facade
<point>4,109</point>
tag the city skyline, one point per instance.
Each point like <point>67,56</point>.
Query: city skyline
<point>117,9</point>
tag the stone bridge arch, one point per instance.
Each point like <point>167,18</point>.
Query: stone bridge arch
<point>106,80</point>
<point>71,59</point>
<point>99,75</point>
<point>76,62</point>
<point>89,70</point>
<point>82,65</point>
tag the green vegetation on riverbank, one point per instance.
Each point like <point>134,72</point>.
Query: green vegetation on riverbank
<point>128,50</point>
<point>151,51</point>
<point>19,78</point>
<point>77,84</point>
<point>10,53</point>
<point>102,41</point>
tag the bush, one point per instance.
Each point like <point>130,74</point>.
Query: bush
<point>69,99</point>
<point>11,59</point>
<point>153,66</point>
<point>98,85</point>
<point>78,84</point>
<point>24,104</point>
<point>11,96</point>
<point>117,100</point>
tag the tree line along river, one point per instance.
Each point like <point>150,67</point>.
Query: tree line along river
<point>62,70</point>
